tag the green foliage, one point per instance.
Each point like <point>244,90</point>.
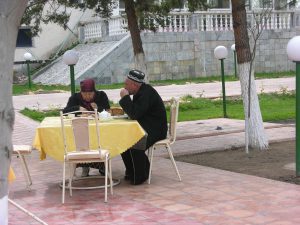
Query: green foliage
<point>21,89</point>
<point>55,11</point>
<point>35,14</point>
<point>263,75</point>
<point>39,115</point>
<point>278,106</point>
<point>194,5</point>
<point>274,107</point>
<point>150,13</point>
<point>102,8</point>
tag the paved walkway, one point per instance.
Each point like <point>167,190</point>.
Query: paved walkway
<point>207,90</point>
<point>205,196</point>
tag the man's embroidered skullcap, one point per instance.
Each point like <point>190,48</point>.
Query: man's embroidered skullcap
<point>136,75</point>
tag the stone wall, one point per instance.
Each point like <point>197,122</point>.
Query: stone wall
<point>191,54</point>
<point>183,55</point>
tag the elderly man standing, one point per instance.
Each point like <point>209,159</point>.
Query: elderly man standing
<point>147,107</point>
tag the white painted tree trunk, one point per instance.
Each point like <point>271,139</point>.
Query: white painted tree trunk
<point>140,63</point>
<point>256,134</point>
<point>11,12</point>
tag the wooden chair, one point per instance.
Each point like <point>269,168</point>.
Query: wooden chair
<point>174,105</point>
<point>83,153</point>
<point>21,151</point>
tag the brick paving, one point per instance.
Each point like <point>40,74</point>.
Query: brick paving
<point>205,195</point>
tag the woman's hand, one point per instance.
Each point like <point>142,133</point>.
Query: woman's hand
<point>94,105</point>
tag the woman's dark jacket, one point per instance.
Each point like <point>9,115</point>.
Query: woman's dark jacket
<point>75,102</point>
<point>148,109</point>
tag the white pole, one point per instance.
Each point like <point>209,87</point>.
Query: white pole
<point>27,212</point>
<point>3,210</point>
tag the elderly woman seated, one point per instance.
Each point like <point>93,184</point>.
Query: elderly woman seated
<point>88,99</point>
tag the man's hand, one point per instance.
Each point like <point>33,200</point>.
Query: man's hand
<point>82,109</point>
<point>123,92</point>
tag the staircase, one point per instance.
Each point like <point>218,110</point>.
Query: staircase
<point>89,54</point>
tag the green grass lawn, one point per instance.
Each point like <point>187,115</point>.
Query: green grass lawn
<point>274,107</point>
<point>20,89</point>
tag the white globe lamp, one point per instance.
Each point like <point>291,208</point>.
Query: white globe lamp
<point>293,49</point>
<point>70,58</point>
<point>27,56</point>
<point>293,52</point>
<point>221,54</point>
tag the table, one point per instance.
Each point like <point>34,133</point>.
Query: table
<point>116,135</point>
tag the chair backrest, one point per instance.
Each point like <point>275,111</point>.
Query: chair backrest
<point>173,119</point>
<point>80,129</point>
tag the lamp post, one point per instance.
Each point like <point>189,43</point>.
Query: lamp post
<point>234,58</point>
<point>293,51</point>
<point>70,58</point>
<point>221,53</point>
<point>27,56</point>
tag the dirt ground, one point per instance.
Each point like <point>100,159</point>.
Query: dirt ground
<point>270,164</point>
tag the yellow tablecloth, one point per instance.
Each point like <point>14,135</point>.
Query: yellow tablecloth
<point>11,175</point>
<point>115,135</point>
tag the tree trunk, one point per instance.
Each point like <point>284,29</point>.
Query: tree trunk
<point>255,131</point>
<point>11,12</point>
<point>256,135</point>
<point>139,55</point>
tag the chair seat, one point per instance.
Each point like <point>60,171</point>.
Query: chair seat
<point>162,142</point>
<point>86,155</point>
<point>22,149</point>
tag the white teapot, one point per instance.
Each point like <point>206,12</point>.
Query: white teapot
<point>104,115</point>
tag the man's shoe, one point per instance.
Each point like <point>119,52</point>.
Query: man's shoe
<point>102,168</point>
<point>85,171</point>
<point>138,181</point>
<point>127,177</point>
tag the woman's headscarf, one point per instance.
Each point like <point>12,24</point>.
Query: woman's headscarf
<point>87,85</point>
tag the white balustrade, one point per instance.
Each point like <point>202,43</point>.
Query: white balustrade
<point>92,30</point>
<point>205,21</point>
<point>117,25</point>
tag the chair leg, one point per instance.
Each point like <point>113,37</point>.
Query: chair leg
<point>64,183</point>
<point>25,171</point>
<point>106,172</point>
<point>110,177</point>
<point>151,150</point>
<point>71,173</point>
<point>173,161</point>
